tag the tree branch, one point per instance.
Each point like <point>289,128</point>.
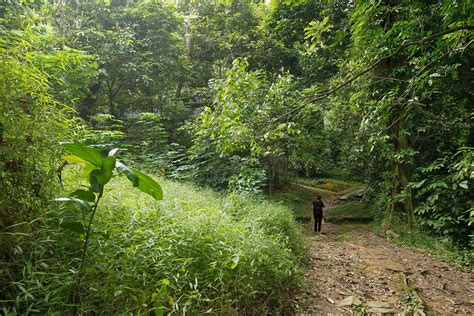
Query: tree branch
<point>324,95</point>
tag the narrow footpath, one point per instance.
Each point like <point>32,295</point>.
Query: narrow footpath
<point>354,271</point>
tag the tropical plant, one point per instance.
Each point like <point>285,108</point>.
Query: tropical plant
<point>240,127</point>
<point>98,171</point>
<point>445,198</point>
<point>148,140</point>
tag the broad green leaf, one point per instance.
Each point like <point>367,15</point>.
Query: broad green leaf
<point>84,195</point>
<point>76,227</point>
<point>89,154</point>
<point>104,174</point>
<point>81,203</point>
<point>148,185</point>
<point>94,181</point>
<point>122,169</point>
<point>75,159</point>
<point>88,169</point>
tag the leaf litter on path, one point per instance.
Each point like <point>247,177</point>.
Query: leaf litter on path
<point>349,263</point>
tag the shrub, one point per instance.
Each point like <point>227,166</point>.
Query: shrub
<point>444,190</point>
<point>195,251</point>
<point>32,123</point>
<point>210,251</point>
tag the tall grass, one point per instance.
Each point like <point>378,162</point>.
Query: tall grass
<point>352,211</point>
<point>195,251</point>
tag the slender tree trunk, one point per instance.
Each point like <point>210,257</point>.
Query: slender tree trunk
<point>270,174</point>
<point>179,88</point>
<point>397,131</point>
<point>467,82</point>
<point>89,102</point>
<point>61,17</point>
<point>401,165</point>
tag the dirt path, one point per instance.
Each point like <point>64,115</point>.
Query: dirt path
<point>350,263</point>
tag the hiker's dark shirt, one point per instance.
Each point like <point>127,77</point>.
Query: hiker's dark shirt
<point>318,207</point>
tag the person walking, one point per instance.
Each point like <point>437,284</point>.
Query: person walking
<point>318,213</point>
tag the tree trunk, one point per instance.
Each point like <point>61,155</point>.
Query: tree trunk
<point>396,128</point>
<point>277,172</point>
<point>89,102</point>
<point>467,82</point>
<point>401,165</point>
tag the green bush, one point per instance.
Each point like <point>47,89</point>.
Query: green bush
<point>32,123</point>
<point>148,140</point>
<point>107,132</point>
<point>444,189</point>
<point>193,252</point>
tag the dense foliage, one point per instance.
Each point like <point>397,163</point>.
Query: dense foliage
<point>193,251</point>
<point>415,109</point>
<point>239,96</point>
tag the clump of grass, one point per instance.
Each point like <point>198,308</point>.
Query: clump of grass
<point>194,252</point>
<point>343,238</point>
<point>297,199</point>
<point>214,252</point>
<point>352,211</point>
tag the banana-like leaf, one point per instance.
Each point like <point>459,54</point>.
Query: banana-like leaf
<point>148,185</point>
<point>88,154</point>
<point>122,169</point>
<point>104,174</point>
<point>75,159</point>
<point>84,195</point>
<point>94,181</point>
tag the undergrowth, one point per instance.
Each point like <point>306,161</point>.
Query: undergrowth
<point>353,211</point>
<point>423,239</point>
<point>194,252</point>
<point>296,199</point>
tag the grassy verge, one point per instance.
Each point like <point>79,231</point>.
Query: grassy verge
<point>422,239</point>
<point>352,211</point>
<point>294,198</point>
<point>194,252</point>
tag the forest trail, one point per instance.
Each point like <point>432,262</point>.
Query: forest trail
<point>353,271</point>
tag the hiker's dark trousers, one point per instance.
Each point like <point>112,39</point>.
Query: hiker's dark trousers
<point>318,219</point>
